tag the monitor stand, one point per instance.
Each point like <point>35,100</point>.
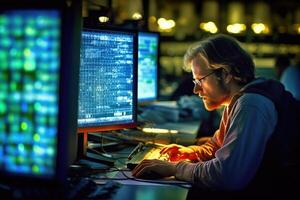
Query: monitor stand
<point>92,156</point>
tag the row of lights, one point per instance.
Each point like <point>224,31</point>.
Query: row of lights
<point>210,12</point>
<point>164,25</point>
<point>257,28</point>
<point>167,25</point>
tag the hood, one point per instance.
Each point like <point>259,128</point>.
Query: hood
<point>269,88</point>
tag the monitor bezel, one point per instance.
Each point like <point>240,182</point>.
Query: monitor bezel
<point>117,126</point>
<point>150,100</point>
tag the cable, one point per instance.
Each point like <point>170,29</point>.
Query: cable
<point>106,155</point>
<point>156,181</point>
<point>183,185</point>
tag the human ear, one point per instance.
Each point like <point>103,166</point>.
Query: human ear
<point>226,76</point>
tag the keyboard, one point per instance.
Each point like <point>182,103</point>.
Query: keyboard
<point>147,152</point>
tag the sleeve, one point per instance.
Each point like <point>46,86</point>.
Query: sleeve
<point>207,150</point>
<point>252,121</point>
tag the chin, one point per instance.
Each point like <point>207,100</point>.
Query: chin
<point>211,106</point>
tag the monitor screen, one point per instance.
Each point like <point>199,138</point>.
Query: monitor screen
<point>38,92</point>
<point>108,80</point>
<point>29,65</point>
<point>29,91</point>
<point>148,50</point>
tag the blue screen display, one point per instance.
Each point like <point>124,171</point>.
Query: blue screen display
<point>147,66</point>
<point>29,91</point>
<point>106,87</point>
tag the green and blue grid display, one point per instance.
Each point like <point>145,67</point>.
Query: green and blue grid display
<point>29,91</point>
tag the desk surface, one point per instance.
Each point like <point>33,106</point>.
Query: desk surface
<point>138,190</point>
<point>142,192</point>
<point>154,191</point>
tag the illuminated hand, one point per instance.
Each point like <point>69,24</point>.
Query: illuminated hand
<point>155,168</point>
<point>177,153</point>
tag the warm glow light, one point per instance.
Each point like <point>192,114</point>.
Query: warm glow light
<point>136,16</point>
<point>152,19</point>
<point>166,25</point>
<point>103,19</point>
<point>296,27</point>
<point>158,130</point>
<point>209,27</point>
<point>236,28</point>
<point>260,28</point>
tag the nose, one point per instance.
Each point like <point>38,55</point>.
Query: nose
<point>197,89</point>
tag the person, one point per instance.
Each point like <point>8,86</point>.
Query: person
<point>255,146</point>
<point>282,61</point>
<point>289,74</point>
<point>209,119</point>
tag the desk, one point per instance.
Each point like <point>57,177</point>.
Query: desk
<point>187,130</point>
<point>144,189</point>
<point>181,132</point>
<point>142,192</point>
<point>167,192</point>
<point>137,190</point>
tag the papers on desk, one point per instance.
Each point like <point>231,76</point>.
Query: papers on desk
<point>126,178</point>
<point>161,112</point>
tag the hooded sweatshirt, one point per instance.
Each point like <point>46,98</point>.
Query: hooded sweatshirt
<point>248,143</point>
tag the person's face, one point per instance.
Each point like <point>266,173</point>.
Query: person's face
<point>212,90</point>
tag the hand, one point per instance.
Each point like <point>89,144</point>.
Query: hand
<point>177,153</point>
<point>158,167</point>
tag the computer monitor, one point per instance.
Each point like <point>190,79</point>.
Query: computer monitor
<point>37,115</point>
<point>148,55</point>
<point>108,80</point>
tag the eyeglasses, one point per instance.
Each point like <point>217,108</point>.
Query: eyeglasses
<point>199,81</point>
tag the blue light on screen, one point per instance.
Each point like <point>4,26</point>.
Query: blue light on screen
<point>29,89</point>
<point>147,67</point>
<point>106,83</point>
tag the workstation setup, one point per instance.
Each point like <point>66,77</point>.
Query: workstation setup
<point>85,101</point>
<point>116,89</point>
<point>70,105</point>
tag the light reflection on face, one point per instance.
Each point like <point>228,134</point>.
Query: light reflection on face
<point>212,91</point>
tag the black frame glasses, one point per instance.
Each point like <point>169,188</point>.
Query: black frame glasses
<point>198,82</point>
